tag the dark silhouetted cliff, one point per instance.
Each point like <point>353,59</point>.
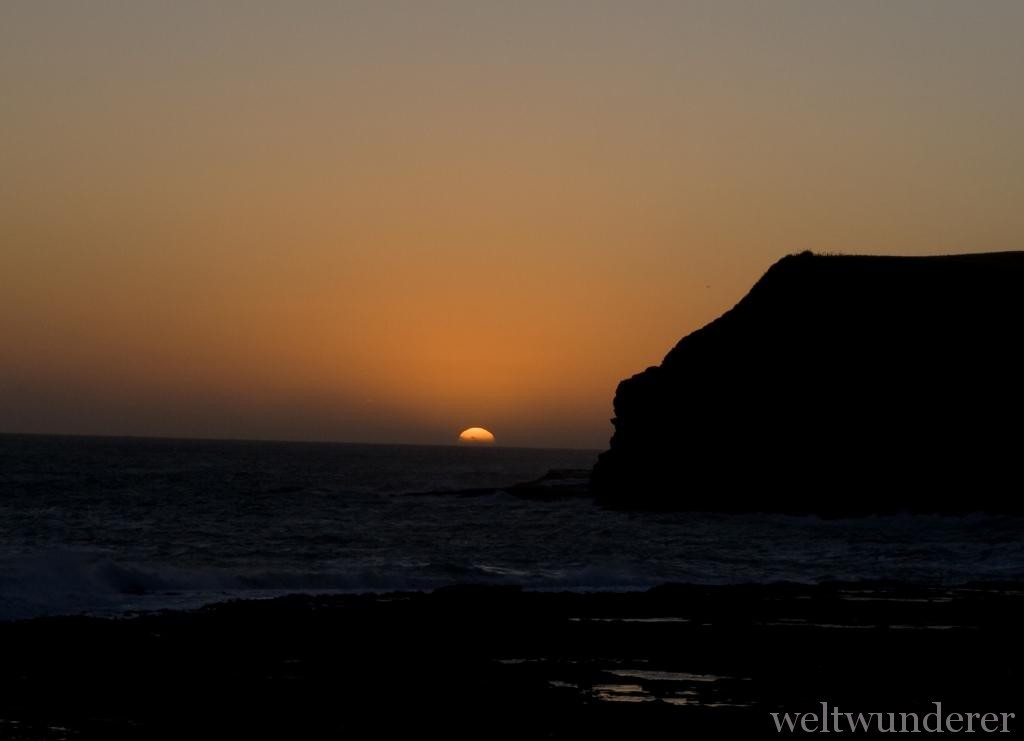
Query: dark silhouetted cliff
<point>839,384</point>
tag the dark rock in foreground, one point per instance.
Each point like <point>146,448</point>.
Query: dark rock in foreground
<point>838,385</point>
<point>678,661</point>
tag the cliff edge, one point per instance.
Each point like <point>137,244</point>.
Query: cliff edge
<point>838,384</point>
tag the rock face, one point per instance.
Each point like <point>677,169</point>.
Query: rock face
<point>838,384</point>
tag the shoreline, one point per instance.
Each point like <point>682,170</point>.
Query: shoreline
<point>187,601</point>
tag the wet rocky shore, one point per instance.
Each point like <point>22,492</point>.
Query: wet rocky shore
<point>485,662</point>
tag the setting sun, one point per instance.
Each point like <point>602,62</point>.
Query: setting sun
<point>476,435</point>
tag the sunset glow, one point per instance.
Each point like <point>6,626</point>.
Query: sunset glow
<point>371,221</point>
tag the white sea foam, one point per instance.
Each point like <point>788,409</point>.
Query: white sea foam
<point>90,582</point>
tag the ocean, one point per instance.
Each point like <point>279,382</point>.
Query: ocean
<point>111,526</point>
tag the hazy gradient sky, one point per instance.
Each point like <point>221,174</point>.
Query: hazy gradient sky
<point>388,221</point>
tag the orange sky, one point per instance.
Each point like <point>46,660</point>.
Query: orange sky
<point>390,221</point>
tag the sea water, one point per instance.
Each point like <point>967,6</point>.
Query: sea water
<point>115,525</point>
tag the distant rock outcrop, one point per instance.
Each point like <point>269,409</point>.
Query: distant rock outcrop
<point>838,384</point>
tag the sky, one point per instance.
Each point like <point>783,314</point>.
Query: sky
<point>389,221</point>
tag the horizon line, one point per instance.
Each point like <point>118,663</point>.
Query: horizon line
<point>292,441</point>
